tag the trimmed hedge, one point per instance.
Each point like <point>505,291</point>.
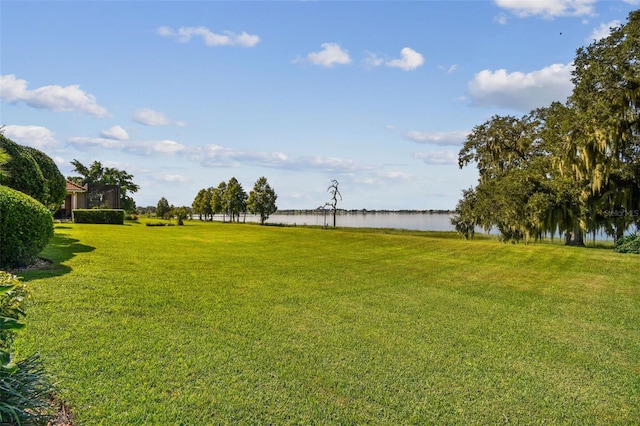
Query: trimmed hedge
<point>26,226</point>
<point>56,184</point>
<point>23,172</point>
<point>104,216</point>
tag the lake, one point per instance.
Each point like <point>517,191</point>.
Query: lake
<point>415,221</point>
<point>418,221</point>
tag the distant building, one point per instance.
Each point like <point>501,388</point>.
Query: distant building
<point>88,197</point>
<point>76,198</point>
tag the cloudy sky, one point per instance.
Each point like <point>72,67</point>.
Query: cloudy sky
<point>377,95</point>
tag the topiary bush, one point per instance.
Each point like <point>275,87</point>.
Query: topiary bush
<point>26,226</point>
<point>23,172</point>
<point>56,184</point>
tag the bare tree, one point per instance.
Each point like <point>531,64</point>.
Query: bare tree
<point>335,193</point>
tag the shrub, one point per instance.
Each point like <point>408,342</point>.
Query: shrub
<point>26,226</point>
<point>628,244</point>
<point>22,171</point>
<point>13,296</point>
<point>104,216</point>
<point>56,184</point>
<point>159,224</point>
<point>25,389</point>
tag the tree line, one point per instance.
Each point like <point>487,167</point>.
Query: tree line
<point>228,199</point>
<point>571,168</point>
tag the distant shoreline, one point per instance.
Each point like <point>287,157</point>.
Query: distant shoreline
<point>360,211</point>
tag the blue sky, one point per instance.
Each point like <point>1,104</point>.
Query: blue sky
<point>377,95</point>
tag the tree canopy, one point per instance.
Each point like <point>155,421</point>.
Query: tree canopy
<point>163,208</point>
<point>202,203</point>
<point>262,200</point>
<point>98,174</point>
<point>570,168</point>
<point>234,199</point>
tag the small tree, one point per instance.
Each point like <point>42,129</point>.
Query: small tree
<point>234,199</point>
<point>181,214</point>
<point>163,208</point>
<point>262,200</point>
<point>217,204</point>
<point>202,203</point>
<point>335,193</point>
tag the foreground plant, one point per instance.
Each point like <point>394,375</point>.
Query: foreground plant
<point>25,389</point>
<point>628,244</point>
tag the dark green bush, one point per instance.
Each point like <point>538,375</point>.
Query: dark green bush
<point>104,216</point>
<point>23,172</point>
<point>628,244</point>
<point>26,226</point>
<point>56,184</point>
<point>159,224</point>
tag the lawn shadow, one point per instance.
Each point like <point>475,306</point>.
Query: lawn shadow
<point>60,249</point>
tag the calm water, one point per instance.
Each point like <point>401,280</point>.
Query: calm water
<point>417,221</point>
<point>411,221</point>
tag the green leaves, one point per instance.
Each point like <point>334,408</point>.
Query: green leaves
<point>10,324</point>
<point>97,174</point>
<point>262,200</point>
<point>562,168</point>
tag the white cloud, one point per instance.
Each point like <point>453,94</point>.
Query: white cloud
<point>602,31</point>
<point>35,136</point>
<point>437,157</point>
<point>330,55</point>
<point>174,178</point>
<point>522,91</point>
<point>450,69</point>
<point>149,117</point>
<point>394,175</point>
<point>501,19</point>
<point>115,132</point>
<point>438,138</point>
<point>632,2</point>
<point>55,98</point>
<point>372,60</point>
<point>83,143</point>
<point>548,9</point>
<point>409,61</point>
<point>163,147</point>
<point>227,38</point>
<point>220,156</point>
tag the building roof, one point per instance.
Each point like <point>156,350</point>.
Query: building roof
<point>72,187</point>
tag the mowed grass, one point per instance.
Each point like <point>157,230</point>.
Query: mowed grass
<point>213,323</point>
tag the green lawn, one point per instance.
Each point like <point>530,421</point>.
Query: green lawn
<point>213,323</point>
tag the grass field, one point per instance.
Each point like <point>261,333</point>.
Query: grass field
<point>213,323</point>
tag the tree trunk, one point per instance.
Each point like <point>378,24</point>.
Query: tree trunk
<point>574,238</point>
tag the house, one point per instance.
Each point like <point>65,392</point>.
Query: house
<point>76,198</point>
<point>89,196</point>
